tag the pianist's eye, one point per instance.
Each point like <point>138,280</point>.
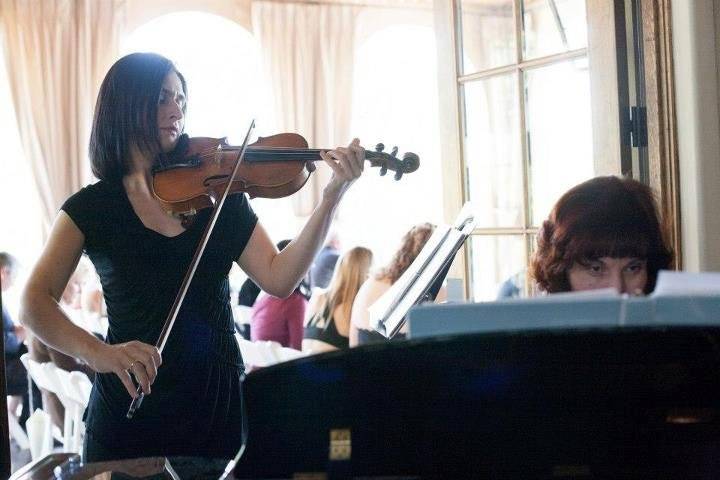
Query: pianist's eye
<point>595,267</point>
<point>636,266</point>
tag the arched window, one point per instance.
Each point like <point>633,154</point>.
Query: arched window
<point>220,61</point>
<point>395,102</point>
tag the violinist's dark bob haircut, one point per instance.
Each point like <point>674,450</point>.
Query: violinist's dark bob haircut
<point>126,113</point>
<point>602,217</point>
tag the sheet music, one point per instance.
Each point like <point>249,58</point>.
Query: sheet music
<point>687,283</point>
<point>388,312</point>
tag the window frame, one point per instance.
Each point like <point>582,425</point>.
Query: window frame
<point>607,63</point>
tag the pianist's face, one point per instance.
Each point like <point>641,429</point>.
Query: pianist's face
<point>171,111</point>
<point>626,275</point>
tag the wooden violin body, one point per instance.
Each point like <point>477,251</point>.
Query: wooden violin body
<point>197,172</point>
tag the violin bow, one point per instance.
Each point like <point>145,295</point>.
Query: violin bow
<point>190,273</point>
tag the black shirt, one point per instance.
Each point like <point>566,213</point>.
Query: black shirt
<point>322,327</point>
<point>194,408</point>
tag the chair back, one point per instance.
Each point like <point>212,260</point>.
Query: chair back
<point>73,391</point>
<point>263,353</point>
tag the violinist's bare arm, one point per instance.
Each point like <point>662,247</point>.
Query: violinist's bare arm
<point>279,273</point>
<point>41,313</point>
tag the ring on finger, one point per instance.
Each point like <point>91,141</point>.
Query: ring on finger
<point>132,364</point>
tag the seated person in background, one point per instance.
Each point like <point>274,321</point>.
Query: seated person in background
<point>247,295</point>
<point>92,302</point>
<point>603,233</point>
<point>512,287</point>
<point>281,319</point>
<point>70,301</point>
<point>41,353</point>
<point>323,266</point>
<point>375,286</point>
<point>328,327</point>
<point>13,337</point>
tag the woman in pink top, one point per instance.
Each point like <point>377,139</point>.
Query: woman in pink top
<point>281,319</point>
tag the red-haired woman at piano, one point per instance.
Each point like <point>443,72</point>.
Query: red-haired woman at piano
<point>603,233</point>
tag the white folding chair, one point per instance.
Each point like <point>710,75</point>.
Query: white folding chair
<point>252,357</point>
<point>16,431</point>
<point>37,435</point>
<point>39,430</point>
<point>263,353</point>
<point>54,376</point>
<point>285,354</point>
<point>74,404</point>
<point>53,379</point>
<point>82,387</point>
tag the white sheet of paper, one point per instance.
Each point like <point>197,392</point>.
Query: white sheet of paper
<point>687,283</point>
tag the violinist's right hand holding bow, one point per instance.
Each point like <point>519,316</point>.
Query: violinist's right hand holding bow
<point>127,360</point>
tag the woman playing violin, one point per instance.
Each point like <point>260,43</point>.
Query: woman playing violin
<point>193,391</point>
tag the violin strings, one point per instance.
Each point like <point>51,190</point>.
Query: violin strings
<point>278,151</point>
<point>273,151</point>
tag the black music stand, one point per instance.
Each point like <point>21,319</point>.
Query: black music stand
<point>422,281</point>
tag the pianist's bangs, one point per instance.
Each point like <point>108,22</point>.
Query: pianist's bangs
<point>590,242</point>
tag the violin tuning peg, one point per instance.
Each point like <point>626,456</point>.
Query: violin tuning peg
<point>398,174</point>
<point>379,147</point>
<point>394,152</point>
<point>383,170</point>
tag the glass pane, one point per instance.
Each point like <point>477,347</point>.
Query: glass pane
<point>493,157</point>
<point>559,132</point>
<point>497,266</point>
<point>553,26</point>
<point>488,34</point>
<point>382,106</point>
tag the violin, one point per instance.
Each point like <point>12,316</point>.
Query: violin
<point>198,170</point>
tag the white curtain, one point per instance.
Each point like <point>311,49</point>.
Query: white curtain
<point>308,52</point>
<point>57,53</point>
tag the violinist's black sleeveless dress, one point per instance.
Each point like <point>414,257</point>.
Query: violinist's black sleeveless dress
<point>195,405</point>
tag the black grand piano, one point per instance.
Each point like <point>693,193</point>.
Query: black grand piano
<point>610,403</point>
<point>563,403</point>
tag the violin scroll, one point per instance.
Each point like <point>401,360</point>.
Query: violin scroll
<point>389,161</point>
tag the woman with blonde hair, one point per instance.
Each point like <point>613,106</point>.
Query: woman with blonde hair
<point>328,326</point>
<point>373,288</point>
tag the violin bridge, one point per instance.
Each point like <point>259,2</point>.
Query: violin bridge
<point>218,154</point>
<point>189,213</point>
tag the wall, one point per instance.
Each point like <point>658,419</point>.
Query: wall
<point>140,11</point>
<point>696,52</point>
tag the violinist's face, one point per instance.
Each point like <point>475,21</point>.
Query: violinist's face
<point>626,275</point>
<point>170,117</point>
